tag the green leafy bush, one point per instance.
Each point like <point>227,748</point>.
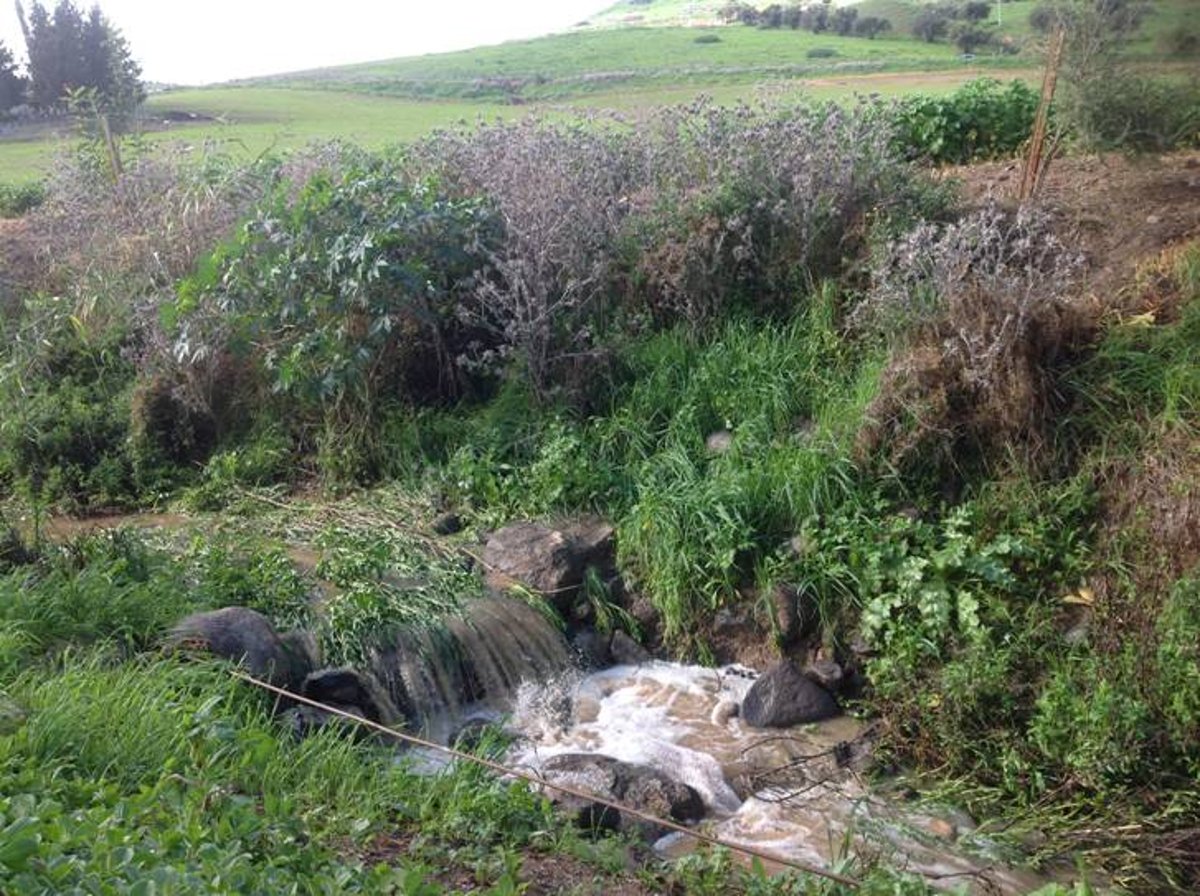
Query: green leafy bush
<point>983,119</point>
<point>67,385</point>
<point>17,199</point>
<point>349,292</point>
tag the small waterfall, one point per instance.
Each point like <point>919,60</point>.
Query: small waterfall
<point>478,659</point>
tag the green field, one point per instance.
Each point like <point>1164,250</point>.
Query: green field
<point>569,65</point>
<point>249,120</point>
<point>598,65</point>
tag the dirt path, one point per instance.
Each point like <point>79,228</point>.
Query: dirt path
<point>897,82</point>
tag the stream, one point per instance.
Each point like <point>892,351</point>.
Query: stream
<point>794,793</point>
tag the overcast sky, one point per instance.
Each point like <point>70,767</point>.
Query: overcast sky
<point>202,41</point>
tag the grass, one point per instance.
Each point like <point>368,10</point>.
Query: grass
<point>567,65</point>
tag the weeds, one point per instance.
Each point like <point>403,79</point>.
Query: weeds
<point>978,316</point>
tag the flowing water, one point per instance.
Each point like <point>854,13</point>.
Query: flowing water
<point>794,793</point>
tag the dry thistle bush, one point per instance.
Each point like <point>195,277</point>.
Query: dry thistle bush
<point>978,317</point>
<point>612,226</point>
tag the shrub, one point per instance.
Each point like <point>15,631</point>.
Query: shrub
<point>350,292</point>
<point>977,317</point>
<point>748,207</point>
<point>981,120</point>
<point>695,211</point>
<point>1106,104</point>
<point>67,384</point>
<point>17,199</point>
<point>1181,41</point>
<point>1136,113</point>
<point>560,190</point>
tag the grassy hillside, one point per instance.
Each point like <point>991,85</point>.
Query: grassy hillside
<point>627,67</point>
<point>585,62</point>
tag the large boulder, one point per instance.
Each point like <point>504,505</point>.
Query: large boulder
<point>783,697</point>
<point>636,786</point>
<point>550,561</point>
<point>351,691</point>
<point>244,636</point>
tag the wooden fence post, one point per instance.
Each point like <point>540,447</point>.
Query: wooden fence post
<point>1037,142</point>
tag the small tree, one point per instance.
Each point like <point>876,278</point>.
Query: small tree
<point>739,12</point>
<point>771,17</point>
<point>1104,102</point>
<point>931,24</point>
<point>842,20</point>
<point>969,37</point>
<point>976,10</point>
<point>870,26</point>
<point>815,18</point>
<point>12,85</point>
<point>69,52</point>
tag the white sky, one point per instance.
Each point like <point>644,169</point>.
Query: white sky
<point>202,41</point>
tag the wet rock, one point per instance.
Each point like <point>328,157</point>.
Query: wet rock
<point>627,652</point>
<point>787,618</point>
<point>241,635</point>
<point>591,648</point>
<point>806,612</point>
<point>304,654</point>
<point>827,673</point>
<point>538,557</point>
<point>636,786</point>
<point>719,442</point>
<point>348,687</point>
<point>593,541</point>
<point>655,794</point>
<point>550,561</point>
<point>305,721</point>
<point>471,735</point>
<point>645,613</point>
<point>448,524</point>
<point>783,697</point>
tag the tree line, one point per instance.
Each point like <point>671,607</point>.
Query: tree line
<point>70,55</point>
<point>819,18</point>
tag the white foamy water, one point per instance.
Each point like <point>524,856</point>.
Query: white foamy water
<point>780,791</point>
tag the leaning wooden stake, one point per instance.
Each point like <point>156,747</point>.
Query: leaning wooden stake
<point>1037,143</point>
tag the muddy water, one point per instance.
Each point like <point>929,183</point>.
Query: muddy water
<point>793,793</point>
<point>61,528</point>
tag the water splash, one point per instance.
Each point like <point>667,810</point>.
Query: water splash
<point>788,792</point>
